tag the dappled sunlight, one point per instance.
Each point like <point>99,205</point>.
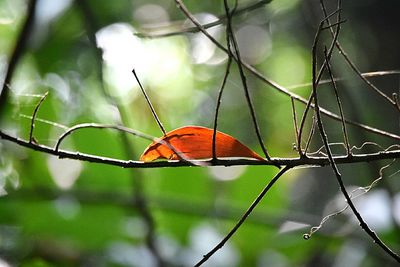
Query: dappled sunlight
<point>202,49</point>
<point>226,173</point>
<point>159,64</point>
<point>254,42</point>
<point>64,172</point>
<point>200,237</point>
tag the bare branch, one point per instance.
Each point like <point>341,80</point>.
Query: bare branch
<point>123,129</point>
<point>310,135</point>
<point>221,90</point>
<point>34,116</point>
<point>244,217</point>
<point>345,135</point>
<point>335,169</point>
<point>296,127</point>
<point>153,111</point>
<point>275,85</point>
<point>355,68</point>
<point>353,195</point>
<point>371,74</point>
<point>221,19</point>
<point>243,78</point>
<point>314,66</point>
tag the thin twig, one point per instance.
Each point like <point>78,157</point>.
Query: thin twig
<point>364,190</point>
<point>243,78</point>
<point>100,126</point>
<point>314,66</point>
<point>221,19</point>
<point>335,169</point>
<point>153,111</point>
<point>275,85</point>
<point>221,90</point>
<point>18,52</point>
<point>344,129</point>
<point>333,24</point>
<point>310,136</point>
<point>371,74</point>
<point>296,128</point>
<point>245,215</point>
<point>355,68</point>
<point>122,129</point>
<point>34,116</point>
<point>363,224</point>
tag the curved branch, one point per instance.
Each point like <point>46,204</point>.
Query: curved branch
<point>123,129</point>
<point>31,138</point>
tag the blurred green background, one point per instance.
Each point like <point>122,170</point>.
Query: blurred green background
<point>59,212</point>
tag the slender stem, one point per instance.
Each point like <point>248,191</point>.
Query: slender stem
<point>153,111</point>
<point>277,86</point>
<point>243,79</point>
<point>311,134</point>
<point>122,129</point>
<point>296,127</point>
<point>221,90</point>
<point>314,66</point>
<point>31,138</point>
<point>335,169</point>
<point>335,89</point>
<point>221,19</point>
<point>340,79</point>
<point>354,67</point>
<point>363,224</point>
<point>244,216</point>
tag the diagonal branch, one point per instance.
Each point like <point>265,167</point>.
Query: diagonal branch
<point>322,69</point>
<point>244,216</point>
<point>277,86</point>
<point>335,90</point>
<point>153,111</point>
<point>243,77</point>
<point>221,19</point>
<point>335,169</point>
<point>355,68</point>
<point>31,137</point>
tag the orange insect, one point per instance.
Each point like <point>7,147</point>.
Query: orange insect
<point>195,142</point>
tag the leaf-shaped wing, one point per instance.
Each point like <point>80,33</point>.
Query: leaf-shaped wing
<point>195,142</point>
